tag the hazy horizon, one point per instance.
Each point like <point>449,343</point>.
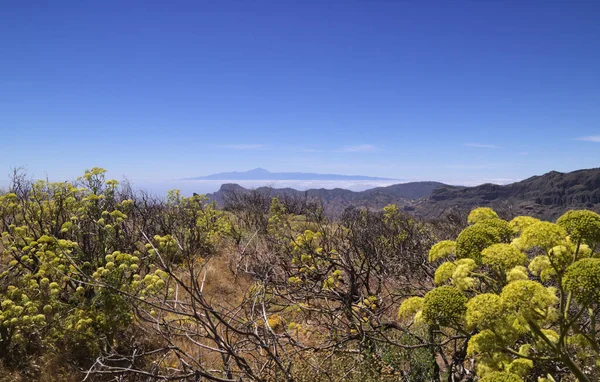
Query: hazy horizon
<point>160,187</point>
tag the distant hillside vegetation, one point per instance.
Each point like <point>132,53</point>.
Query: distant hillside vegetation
<point>546,196</point>
<point>335,201</point>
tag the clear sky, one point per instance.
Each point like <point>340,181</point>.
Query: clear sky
<point>462,92</point>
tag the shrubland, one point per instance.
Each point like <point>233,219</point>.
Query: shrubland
<point>100,282</point>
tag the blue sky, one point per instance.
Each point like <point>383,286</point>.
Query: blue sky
<point>462,92</point>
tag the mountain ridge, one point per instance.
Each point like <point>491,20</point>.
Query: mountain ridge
<point>544,196</point>
<point>336,200</point>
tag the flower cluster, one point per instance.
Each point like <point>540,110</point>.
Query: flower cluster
<point>514,284</point>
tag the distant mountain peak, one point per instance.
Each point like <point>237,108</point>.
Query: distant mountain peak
<point>260,173</point>
<point>259,170</point>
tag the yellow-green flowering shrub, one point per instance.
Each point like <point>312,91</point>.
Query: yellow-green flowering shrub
<point>410,307</point>
<point>501,377</point>
<point>484,311</point>
<point>481,213</point>
<point>527,298</point>
<point>581,225</point>
<point>503,257</point>
<point>522,292</point>
<point>520,367</point>
<point>73,262</point>
<point>544,235</point>
<point>582,278</point>
<point>279,220</point>
<point>442,250</point>
<point>477,237</point>
<point>444,306</point>
<point>444,272</point>
<point>519,223</point>
<point>517,273</point>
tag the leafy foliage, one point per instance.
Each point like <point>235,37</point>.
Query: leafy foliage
<point>480,214</point>
<point>517,319</point>
<point>444,306</point>
<point>134,288</point>
<point>74,266</point>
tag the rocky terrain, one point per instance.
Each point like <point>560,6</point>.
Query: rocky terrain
<point>546,196</point>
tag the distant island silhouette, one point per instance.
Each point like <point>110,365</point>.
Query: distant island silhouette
<point>262,174</point>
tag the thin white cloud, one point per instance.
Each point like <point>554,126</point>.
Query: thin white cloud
<point>482,145</point>
<point>590,138</point>
<point>244,147</point>
<point>358,149</point>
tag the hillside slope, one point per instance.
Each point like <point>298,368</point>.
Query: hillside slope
<point>336,200</point>
<point>546,196</point>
